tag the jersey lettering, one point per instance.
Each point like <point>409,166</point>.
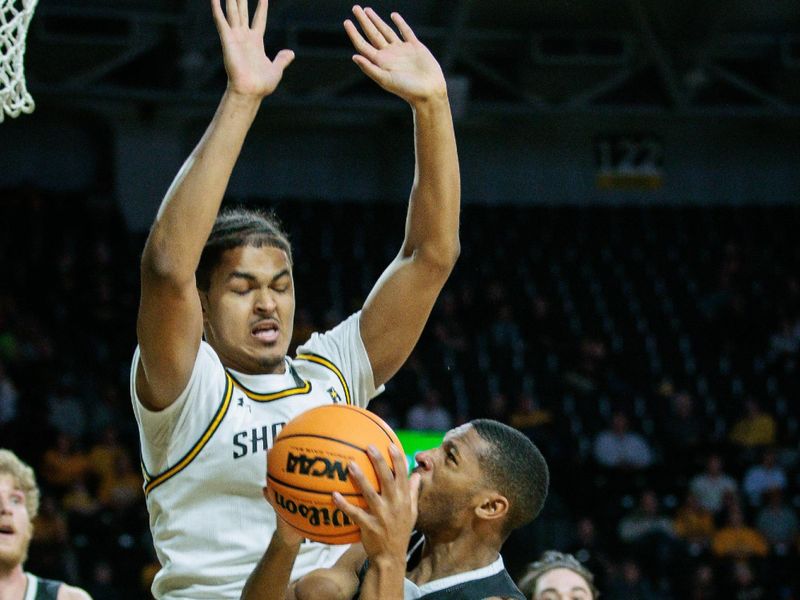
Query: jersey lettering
<point>260,440</point>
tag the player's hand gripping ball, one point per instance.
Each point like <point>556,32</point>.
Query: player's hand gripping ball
<point>308,461</point>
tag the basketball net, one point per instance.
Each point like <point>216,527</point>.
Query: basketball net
<point>15,16</point>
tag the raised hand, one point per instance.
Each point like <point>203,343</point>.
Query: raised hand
<point>250,72</point>
<point>387,525</point>
<point>399,63</point>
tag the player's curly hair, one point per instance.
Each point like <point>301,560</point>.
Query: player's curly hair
<point>550,560</point>
<point>515,466</point>
<point>23,478</point>
<point>235,227</point>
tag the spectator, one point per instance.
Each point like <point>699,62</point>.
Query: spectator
<point>756,429</point>
<point>429,414</point>
<point>123,487</point>
<point>712,486</point>
<point>591,550</point>
<point>683,430</point>
<point>702,585</point>
<point>619,448</point>
<point>531,418</point>
<point>103,455</point>
<point>557,575</point>
<point>738,540</point>
<point>778,523</point>
<point>785,341</point>
<point>649,535</point>
<point>744,585</point>
<point>768,475</point>
<point>694,524</point>
<point>8,399</point>
<point>66,412</point>
<point>631,584</point>
<point>63,464</point>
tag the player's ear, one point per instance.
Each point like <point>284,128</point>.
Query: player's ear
<point>492,506</point>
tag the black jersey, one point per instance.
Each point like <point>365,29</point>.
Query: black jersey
<point>472,585</point>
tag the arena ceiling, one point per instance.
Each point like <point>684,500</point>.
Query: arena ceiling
<point>503,58</point>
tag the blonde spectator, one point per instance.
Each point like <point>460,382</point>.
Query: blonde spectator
<point>557,576</point>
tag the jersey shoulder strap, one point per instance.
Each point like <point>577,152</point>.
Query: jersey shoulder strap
<point>47,589</point>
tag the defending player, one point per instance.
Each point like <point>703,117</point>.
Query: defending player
<point>466,497</point>
<point>209,409</point>
<point>19,503</point>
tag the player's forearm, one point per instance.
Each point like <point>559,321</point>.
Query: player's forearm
<point>188,211</point>
<point>270,579</point>
<point>433,214</point>
<point>384,579</point>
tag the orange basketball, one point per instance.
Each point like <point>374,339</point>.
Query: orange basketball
<point>309,460</point>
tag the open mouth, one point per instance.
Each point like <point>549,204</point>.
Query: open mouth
<point>266,331</point>
<point>6,530</point>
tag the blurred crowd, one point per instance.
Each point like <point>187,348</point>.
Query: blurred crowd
<point>650,353</point>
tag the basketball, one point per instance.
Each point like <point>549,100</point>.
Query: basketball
<point>308,461</point>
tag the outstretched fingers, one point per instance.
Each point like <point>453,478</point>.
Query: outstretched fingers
<point>364,48</point>
<point>405,29</point>
<point>260,16</point>
<point>373,34</point>
<point>232,13</point>
<point>386,31</point>
<point>219,16</point>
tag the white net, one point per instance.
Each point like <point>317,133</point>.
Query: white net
<point>15,16</point>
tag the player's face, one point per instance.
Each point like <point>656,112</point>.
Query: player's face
<point>15,523</point>
<point>561,584</point>
<point>248,311</point>
<point>450,477</point>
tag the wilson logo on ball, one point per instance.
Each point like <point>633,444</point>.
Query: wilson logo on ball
<point>315,516</point>
<point>316,466</point>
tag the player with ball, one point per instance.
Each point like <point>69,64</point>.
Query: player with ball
<point>464,499</point>
<point>211,382</point>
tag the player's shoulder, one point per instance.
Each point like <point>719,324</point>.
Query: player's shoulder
<point>68,592</point>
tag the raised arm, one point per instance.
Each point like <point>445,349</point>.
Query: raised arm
<point>399,305</point>
<point>170,322</point>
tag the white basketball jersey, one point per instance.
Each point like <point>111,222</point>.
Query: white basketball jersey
<point>204,461</point>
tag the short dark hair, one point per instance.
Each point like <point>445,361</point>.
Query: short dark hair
<point>515,466</point>
<point>235,227</point>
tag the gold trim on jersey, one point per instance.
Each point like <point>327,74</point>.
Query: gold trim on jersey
<point>151,483</point>
<point>295,391</point>
<point>329,365</point>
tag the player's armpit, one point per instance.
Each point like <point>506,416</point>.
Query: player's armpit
<point>339,582</point>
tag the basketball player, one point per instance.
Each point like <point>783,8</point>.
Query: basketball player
<point>210,381</point>
<point>19,503</point>
<point>557,576</point>
<point>466,497</point>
